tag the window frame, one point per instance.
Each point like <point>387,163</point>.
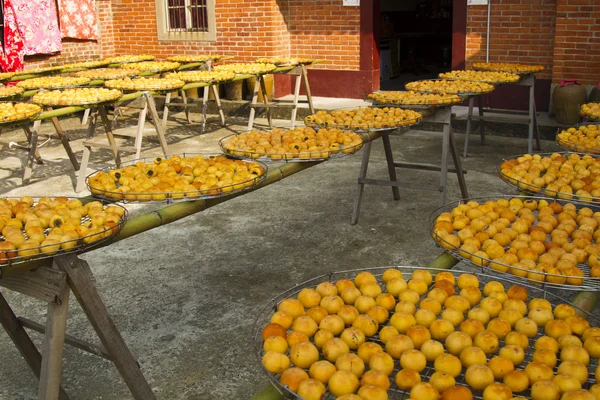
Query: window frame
<point>162,17</point>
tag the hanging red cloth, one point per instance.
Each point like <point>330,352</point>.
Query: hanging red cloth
<point>11,57</point>
<point>38,25</point>
<point>78,19</point>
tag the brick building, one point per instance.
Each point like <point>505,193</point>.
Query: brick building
<point>563,35</point>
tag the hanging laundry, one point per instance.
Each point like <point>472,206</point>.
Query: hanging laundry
<point>78,19</point>
<point>38,25</point>
<point>11,57</point>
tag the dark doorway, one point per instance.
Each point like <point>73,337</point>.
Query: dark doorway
<point>415,40</point>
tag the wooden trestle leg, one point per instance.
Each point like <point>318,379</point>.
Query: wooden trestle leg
<point>79,279</point>
<point>23,342</point>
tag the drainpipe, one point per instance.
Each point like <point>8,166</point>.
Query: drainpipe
<point>487,40</point>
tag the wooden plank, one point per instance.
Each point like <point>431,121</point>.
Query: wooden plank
<point>70,340</point>
<point>44,284</point>
<point>53,346</point>
<point>22,341</point>
<point>79,279</point>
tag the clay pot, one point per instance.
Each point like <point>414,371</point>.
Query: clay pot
<point>567,100</point>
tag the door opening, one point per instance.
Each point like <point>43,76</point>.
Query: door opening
<point>415,40</point>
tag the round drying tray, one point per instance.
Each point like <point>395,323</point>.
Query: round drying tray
<point>247,69</point>
<point>413,100</point>
<point>436,86</point>
<point>152,66</point>
<point>562,139</point>
<point>334,150</point>
<point>394,392</point>
<point>108,182</point>
<point>548,190</point>
<point>53,82</point>
<point>130,59</point>
<point>10,92</point>
<point>491,77</point>
<point>15,112</point>
<point>91,231</point>
<point>77,97</point>
<point>488,264</point>
<point>85,65</point>
<point>411,119</point>
<point>194,59</point>
<point>202,76</point>
<point>107,73</point>
<point>160,85</point>
<point>513,68</point>
<point>590,111</point>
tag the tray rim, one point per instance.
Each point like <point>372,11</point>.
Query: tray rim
<point>168,199</point>
<point>455,253</point>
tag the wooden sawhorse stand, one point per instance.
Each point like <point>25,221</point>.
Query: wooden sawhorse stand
<point>301,75</point>
<point>528,81</point>
<point>149,104</point>
<point>32,151</point>
<point>185,105</point>
<point>33,146</point>
<point>53,285</point>
<point>442,115</point>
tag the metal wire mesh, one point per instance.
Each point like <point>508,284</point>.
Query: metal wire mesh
<point>395,392</point>
<point>589,283</point>
<point>81,246</point>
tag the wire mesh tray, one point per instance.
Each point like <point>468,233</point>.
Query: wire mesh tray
<point>415,105</point>
<point>152,66</point>
<point>85,65</point>
<point>489,82</point>
<point>539,190</point>
<point>53,82</point>
<point>394,392</point>
<point>107,73</point>
<point>541,278</point>
<point>111,96</point>
<point>578,147</point>
<point>305,156</point>
<point>590,111</point>
<point>370,127</point>
<point>10,92</point>
<point>210,77</point>
<point>158,85</point>
<point>30,113</point>
<point>194,59</point>
<point>490,68</point>
<point>130,59</point>
<point>441,90</point>
<point>85,241</point>
<point>257,174</point>
<point>247,69</point>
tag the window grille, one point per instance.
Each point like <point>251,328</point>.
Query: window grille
<point>187,16</point>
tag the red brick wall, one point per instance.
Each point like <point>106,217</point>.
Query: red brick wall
<point>328,30</point>
<point>577,42</point>
<point>521,31</point>
<point>83,50</point>
<point>242,31</point>
<point>311,28</point>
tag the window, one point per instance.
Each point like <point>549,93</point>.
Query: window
<point>186,20</point>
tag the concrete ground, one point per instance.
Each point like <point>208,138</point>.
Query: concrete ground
<point>185,295</point>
